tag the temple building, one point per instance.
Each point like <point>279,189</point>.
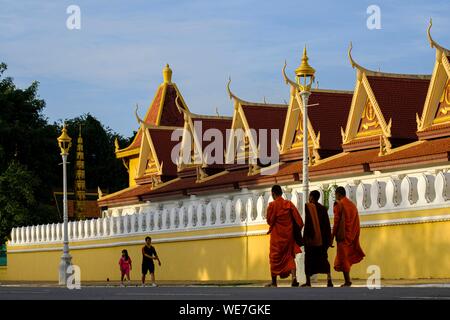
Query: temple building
<point>200,184</point>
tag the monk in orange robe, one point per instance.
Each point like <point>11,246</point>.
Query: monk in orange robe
<point>281,215</point>
<point>349,251</point>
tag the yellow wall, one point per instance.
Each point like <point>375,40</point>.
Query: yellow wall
<point>402,251</point>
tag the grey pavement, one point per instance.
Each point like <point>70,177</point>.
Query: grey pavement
<point>201,292</point>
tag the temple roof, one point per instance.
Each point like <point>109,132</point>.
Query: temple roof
<point>387,102</point>
<point>334,105</point>
<point>163,111</point>
<point>400,98</point>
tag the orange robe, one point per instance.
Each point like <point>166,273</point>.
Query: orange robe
<point>349,251</point>
<point>282,245</point>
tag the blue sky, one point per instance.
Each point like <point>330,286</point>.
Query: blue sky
<point>115,60</point>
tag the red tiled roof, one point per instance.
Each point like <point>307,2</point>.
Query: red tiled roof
<point>170,115</point>
<point>263,116</point>
<point>152,115</point>
<point>400,98</point>
<point>221,124</point>
<point>161,138</point>
<point>329,116</point>
<point>268,117</point>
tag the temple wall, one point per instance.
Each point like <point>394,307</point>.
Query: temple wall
<point>405,222</point>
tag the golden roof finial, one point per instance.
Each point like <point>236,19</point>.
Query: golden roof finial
<point>433,43</point>
<point>354,63</point>
<point>167,74</point>
<point>232,95</point>
<point>305,68</point>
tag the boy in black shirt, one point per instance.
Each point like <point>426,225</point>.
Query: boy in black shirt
<point>148,255</point>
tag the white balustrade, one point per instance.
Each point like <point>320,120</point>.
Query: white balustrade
<point>98,227</point>
<point>32,233</point>
<point>425,189</point>
<point>210,214</point>
<point>350,190</point>
<point>125,224</point>
<point>408,189</point>
<point>238,209</point>
<point>384,194</point>
<point>228,211</point>
<point>85,227</point>
<point>442,186</point>
<point>363,197</point>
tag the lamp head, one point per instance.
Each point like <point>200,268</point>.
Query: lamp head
<point>305,73</point>
<point>64,141</point>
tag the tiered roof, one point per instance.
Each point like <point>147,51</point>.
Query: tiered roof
<point>376,127</point>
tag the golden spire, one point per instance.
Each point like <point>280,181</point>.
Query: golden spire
<point>305,68</point>
<point>80,182</point>
<point>167,74</point>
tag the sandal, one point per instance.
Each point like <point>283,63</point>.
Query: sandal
<point>306,285</point>
<point>269,285</point>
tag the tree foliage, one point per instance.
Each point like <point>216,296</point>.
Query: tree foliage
<point>30,157</point>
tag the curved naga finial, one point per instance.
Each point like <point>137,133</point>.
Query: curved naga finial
<point>179,107</point>
<point>433,43</point>
<point>354,63</point>
<point>182,110</point>
<point>139,120</point>
<point>231,94</point>
<point>286,78</point>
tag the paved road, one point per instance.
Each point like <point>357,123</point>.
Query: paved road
<point>223,293</point>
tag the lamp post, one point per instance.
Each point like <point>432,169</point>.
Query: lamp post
<point>305,77</point>
<point>64,142</point>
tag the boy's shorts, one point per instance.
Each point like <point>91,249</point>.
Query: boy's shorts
<point>148,267</point>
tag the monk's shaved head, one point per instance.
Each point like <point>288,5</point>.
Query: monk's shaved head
<point>315,195</point>
<point>276,190</point>
<point>340,192</point>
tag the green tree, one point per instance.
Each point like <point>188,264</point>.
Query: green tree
<point>28,149</point>
<point>29,142</point>
<point>17,200</point>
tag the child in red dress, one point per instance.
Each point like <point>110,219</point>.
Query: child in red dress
<point>125,266</point>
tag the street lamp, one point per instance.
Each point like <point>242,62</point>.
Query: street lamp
<point>65,142</point>
<point>305,77</point>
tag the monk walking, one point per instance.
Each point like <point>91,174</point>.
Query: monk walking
<point>346,230</point>
<point>281,216</point>
<point>318,239</point>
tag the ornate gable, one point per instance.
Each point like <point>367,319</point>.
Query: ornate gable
<point>149,164</point>
<point>369,124</point>
<point>366,126</point>
<point>194,151</point>
<point>293,129</point>
<point>435,119</point>
<point>241,144</point>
